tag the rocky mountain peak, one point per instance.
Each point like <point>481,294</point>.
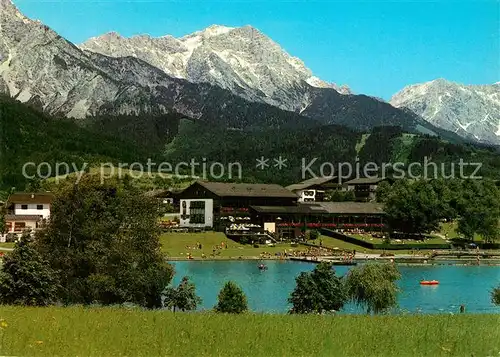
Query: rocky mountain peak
<point>6,4</point>
<point>469,110</point>
<point>249,76</point>
<point>241,59</point>
<point>211,31</point>
<point>9,10</point>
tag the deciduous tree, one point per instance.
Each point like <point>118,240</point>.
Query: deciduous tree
<point>104,241</point>
<point>479,210</point>
<point>413,207</point>
<point>373,286</point>
<point>340,196</point>
<point>26,278</point>
<point>231,299</point>
<point>318,291</point>
<point>2,221</point>
<point>383,191</point>
<point>182,297</point>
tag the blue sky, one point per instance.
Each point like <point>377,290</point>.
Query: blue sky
<point>375,47</point>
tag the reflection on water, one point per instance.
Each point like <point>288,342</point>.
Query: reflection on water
<point>268,291</point>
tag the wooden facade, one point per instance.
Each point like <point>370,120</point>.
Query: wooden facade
<point>237,202</point>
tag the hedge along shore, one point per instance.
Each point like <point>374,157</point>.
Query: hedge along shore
<point>80,331</point>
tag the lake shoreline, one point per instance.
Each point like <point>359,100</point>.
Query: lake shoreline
<point>268,290</point>
<point>414,261</point>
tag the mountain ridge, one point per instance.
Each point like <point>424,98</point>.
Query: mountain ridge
<point>41,68</point>
<point>240,59</point>
<point>472,111</point>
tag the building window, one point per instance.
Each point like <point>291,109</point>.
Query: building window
<point>24,206</point>
<point>39,207</point>
<point>197,212</point>
<point>19,226</point>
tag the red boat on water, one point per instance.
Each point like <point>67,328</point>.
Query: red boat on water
<point>429,282</point>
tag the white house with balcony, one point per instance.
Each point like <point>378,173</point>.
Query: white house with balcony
<point>26,211</point>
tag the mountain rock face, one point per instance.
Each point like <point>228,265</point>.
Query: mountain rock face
<point>472,111</point>
<point>236,78</point>
<point>242,60</point>
<point>250,65</point>
<point>39,67</point>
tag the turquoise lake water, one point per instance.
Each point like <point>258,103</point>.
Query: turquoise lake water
<point>268,291</point>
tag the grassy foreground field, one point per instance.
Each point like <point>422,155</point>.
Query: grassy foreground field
<point>79,331</point>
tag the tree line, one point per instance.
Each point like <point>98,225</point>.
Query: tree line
<point>173,139</point>
<point>418,207</point>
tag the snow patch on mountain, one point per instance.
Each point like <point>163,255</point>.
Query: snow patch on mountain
<point>242,60</point>
<point>468,110</point>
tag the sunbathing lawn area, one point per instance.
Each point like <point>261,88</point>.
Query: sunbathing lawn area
<point>370,239</point>
<point>330,242</point>
<point>175,245</point>
<point>450,229</point>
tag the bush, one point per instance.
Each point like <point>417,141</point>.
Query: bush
<point>313,234</point>
<point>183,297</point>
<point>10,238</point>
<point>256,246</point>
<point>244,240</point>
<point>26,278</point>
<point>231,299</point>
<point>495,296</point>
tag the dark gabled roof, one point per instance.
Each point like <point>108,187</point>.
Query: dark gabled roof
<point>22,217</point>
<point>353,207</point>
<point>224,189</point>
<point>299,209</point>
<point>35,197</point>
<point>366,180</point>
<point>311,182</point>
<point>324,208</point>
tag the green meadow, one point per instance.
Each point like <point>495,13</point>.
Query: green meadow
<point>79,331</point>
<point>179,245</point>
